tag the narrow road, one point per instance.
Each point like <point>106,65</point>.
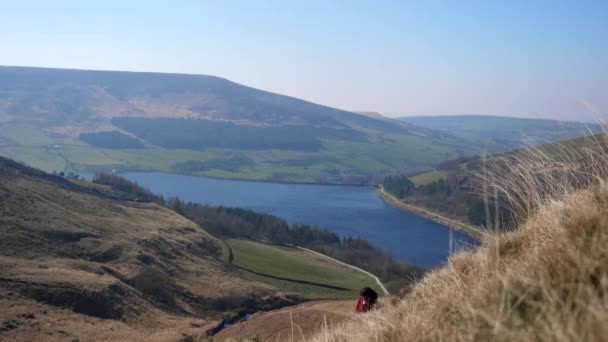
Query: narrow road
<point>392,200</point>
<point>347,265</point>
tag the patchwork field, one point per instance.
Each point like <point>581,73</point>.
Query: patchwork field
<point>340,161</point>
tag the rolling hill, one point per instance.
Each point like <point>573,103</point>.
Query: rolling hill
<point>454,189</point>
<point>501,133</point>
<point>84,260</point>
<point>80,120</point>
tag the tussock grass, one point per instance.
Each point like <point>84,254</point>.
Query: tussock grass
<point>545,280</point>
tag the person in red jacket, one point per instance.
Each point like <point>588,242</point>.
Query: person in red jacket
<point>367,300</point>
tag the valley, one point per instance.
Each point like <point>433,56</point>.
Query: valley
<point>303,171</point>
<point>86,261</point>
<point>89,121</point>
<point>354,211</point>
<point>79,120</point>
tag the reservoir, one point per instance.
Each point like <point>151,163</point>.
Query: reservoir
<point>346,210</point>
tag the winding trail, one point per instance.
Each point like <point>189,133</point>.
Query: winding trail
<point>345,264</point>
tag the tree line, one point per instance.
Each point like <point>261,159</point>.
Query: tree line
<point>452,196</point>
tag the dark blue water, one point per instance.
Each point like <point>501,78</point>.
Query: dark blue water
<point>346,210</point>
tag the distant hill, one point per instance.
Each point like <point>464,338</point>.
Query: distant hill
<point>500,133</point>
<point>64,96</point>
<point>454,188</point>
<point>81,120</point>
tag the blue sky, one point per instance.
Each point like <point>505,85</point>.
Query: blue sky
<point>519,58</point>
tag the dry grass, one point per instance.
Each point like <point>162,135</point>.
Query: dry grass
<point>86,265</point>
<point>545,281</point>
<point>302,320</point>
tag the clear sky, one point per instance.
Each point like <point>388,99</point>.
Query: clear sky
<point>518,58</point>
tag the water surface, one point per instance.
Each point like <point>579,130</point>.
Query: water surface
<point>346,210</point>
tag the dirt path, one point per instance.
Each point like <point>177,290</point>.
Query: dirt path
<point>348,265</point>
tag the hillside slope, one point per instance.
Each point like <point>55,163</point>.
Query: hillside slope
<point>79,96</point>
<point>77,120</point>
<point>453,189</point>
<point>545,281</point>
<point>295,323</point>
<point>82,261</point>
<point>297,271</point>
<point>501,133</point>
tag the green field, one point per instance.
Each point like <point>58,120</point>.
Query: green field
<point>295,264</point>
<point>429,177</point>
<point>339,161</point>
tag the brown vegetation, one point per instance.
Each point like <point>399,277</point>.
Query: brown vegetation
<point>296,323</point>
<point>545,281</point>
<point>84,261</point>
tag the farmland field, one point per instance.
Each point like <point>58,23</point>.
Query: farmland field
<point>332,280</point>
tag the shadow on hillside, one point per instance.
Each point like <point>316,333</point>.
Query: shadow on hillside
<point>305,282</point>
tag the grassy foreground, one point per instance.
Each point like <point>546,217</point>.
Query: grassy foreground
<point>302,272</point>
<point>545,281</point>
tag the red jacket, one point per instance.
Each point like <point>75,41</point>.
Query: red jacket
<point>360,305</point>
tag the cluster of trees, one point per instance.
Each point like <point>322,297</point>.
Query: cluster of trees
<point>453,195</point>
<point>113,139</point>
<point>202,134</point>
<point>242,223</point>
<point>138,192</point>
<point>231,162</point>
<point>402,187</point>
<point>399,185</point>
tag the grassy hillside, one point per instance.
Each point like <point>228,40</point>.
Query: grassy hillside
<point>297,271</point>
<point>305,319</point>
<point>499,133</point>
<point>454,189</point>
<point>87,261</point>
<point>544,281</point>
<point>83,260</point>
<point>78,120</point>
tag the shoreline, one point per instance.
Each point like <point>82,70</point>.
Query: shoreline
<point>230,178</point>
<point>471,231</point>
